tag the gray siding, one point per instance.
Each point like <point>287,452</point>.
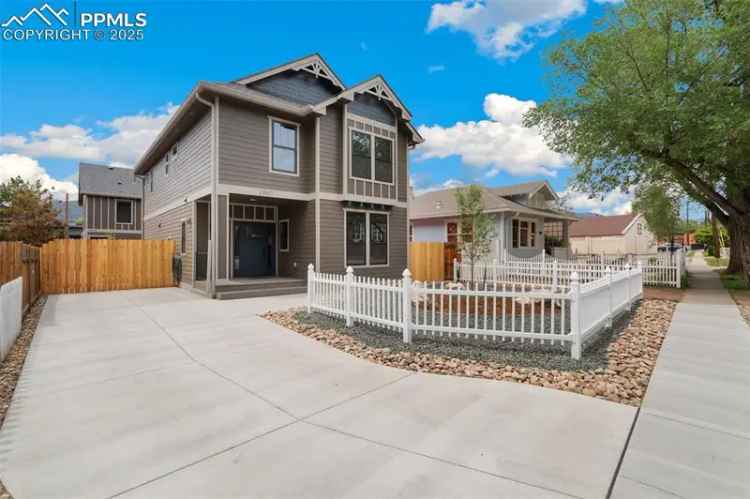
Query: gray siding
<point>296,86</point>
<point>100,214</point>
<point>332,234</point>
<point>244,151</point>
<point>371,107</point>
<point>168,226</point>
<point>301,217</point>
<point>189,170</point>
<point>331,150</point>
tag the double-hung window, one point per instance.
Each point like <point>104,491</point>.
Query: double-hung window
<point>366,238</point>
<point>284,147</point>
<point>523,233</point>
<point>372,157</point>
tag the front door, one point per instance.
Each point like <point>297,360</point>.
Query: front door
<point>254,249</point>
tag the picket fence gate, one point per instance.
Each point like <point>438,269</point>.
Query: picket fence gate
<point>565,314</point>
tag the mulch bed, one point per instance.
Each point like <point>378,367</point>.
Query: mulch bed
<point>11,366</point>
<point>742,299</point>
<point>617,367</point>
<point>659,293</point>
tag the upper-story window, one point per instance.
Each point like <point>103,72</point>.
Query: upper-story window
<point>284,147</point>
<point>124,211</point>
<point>372,157</point>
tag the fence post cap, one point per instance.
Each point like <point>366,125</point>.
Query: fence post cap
<point>574,276</point>
<point>406,273</point>
<point>311,267</point>
<point>349,270</point>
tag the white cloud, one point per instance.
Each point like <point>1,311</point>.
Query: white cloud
<point>13,165</point>
<point>435,68</point>
<point>616,202</point>
<point>500,143</point>
<point>505,29</point>
<point>120,141</point>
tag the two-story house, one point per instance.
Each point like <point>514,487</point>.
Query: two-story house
<point>263,175</point>
<point>110,200</point>
<point>527,221</point>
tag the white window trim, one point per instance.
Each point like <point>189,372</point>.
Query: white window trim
<point>297,165</point>
<point>367,239</point>
<point>528,235</point>
<point>132,211</point>
<point>166,164</point>
<point>372,158</point>
<point>288,235</point>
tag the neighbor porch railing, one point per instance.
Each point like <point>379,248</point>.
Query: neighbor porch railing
<point>566,314</point>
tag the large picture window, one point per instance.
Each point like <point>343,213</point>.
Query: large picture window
<point>366,238</point>
<point>124,213</point>
<point>284,144</point>
<point>356,238</point>
<point>372,157</point>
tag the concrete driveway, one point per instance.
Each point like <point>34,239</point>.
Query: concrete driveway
<point>162,393</point>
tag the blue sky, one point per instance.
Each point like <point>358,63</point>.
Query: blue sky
<point>62,101</point>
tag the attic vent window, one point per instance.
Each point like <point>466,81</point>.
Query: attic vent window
<point>438,205</point>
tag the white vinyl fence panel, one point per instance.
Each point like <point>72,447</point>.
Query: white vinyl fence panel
<point>565,314</point>
<point>11,314</point>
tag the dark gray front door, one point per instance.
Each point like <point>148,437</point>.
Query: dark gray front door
<point>254,249</point>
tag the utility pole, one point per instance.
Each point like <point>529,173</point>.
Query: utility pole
<point>65,227</point>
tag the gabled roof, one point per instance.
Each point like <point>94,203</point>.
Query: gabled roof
<point>376,86</point>
<point>529,188</point>
<point>103,180</point>
<point>442,204</point>
<point>615,225</point>
<point>313,63</point>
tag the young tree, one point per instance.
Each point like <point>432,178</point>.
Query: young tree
<point>660,209</point>
<point>477,228</point>
<point>658,94</point>
<point>26,212</point>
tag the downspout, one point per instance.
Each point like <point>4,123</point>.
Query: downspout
<point>211,273</point>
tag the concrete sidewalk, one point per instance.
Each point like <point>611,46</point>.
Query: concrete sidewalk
<point>692,435</point>
<point>162,393</point>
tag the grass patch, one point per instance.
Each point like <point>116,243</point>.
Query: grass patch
<point>717,262</point>
<point>734,281</point>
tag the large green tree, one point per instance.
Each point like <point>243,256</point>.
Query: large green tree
<point>660,208</point>
<point>26,212</point>
<point>658,93</point>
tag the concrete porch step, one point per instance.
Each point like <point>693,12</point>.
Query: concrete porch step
<point>257,293</point>
<point>260,284</point>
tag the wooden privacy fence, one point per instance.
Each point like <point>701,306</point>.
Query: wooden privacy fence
<point>84,265</point>
<point>431,261</point>
<point>21,260</point>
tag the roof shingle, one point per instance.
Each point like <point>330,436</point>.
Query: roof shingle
<point>601,226</point>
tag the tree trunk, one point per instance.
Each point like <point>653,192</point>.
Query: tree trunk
<point>743,225</point>
<point>735,247</point>
<point>715,242</point>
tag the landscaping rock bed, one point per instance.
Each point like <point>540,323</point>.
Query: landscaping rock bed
<point>10,368</point>
<point>616,367</point>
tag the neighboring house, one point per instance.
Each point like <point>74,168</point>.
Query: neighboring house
<point>75,217</point>
<point>618,234</point>
<point>111,201</point>
<point>526,220</point>
<point>282,168</point>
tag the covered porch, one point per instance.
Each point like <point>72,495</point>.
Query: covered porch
<point>264,245</point>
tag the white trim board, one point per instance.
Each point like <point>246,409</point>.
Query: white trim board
<point>193,196</point>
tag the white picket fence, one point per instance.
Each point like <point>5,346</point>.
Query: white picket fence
<point>565,314</point>
<point>11,314</point>
<point>662,269</point>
